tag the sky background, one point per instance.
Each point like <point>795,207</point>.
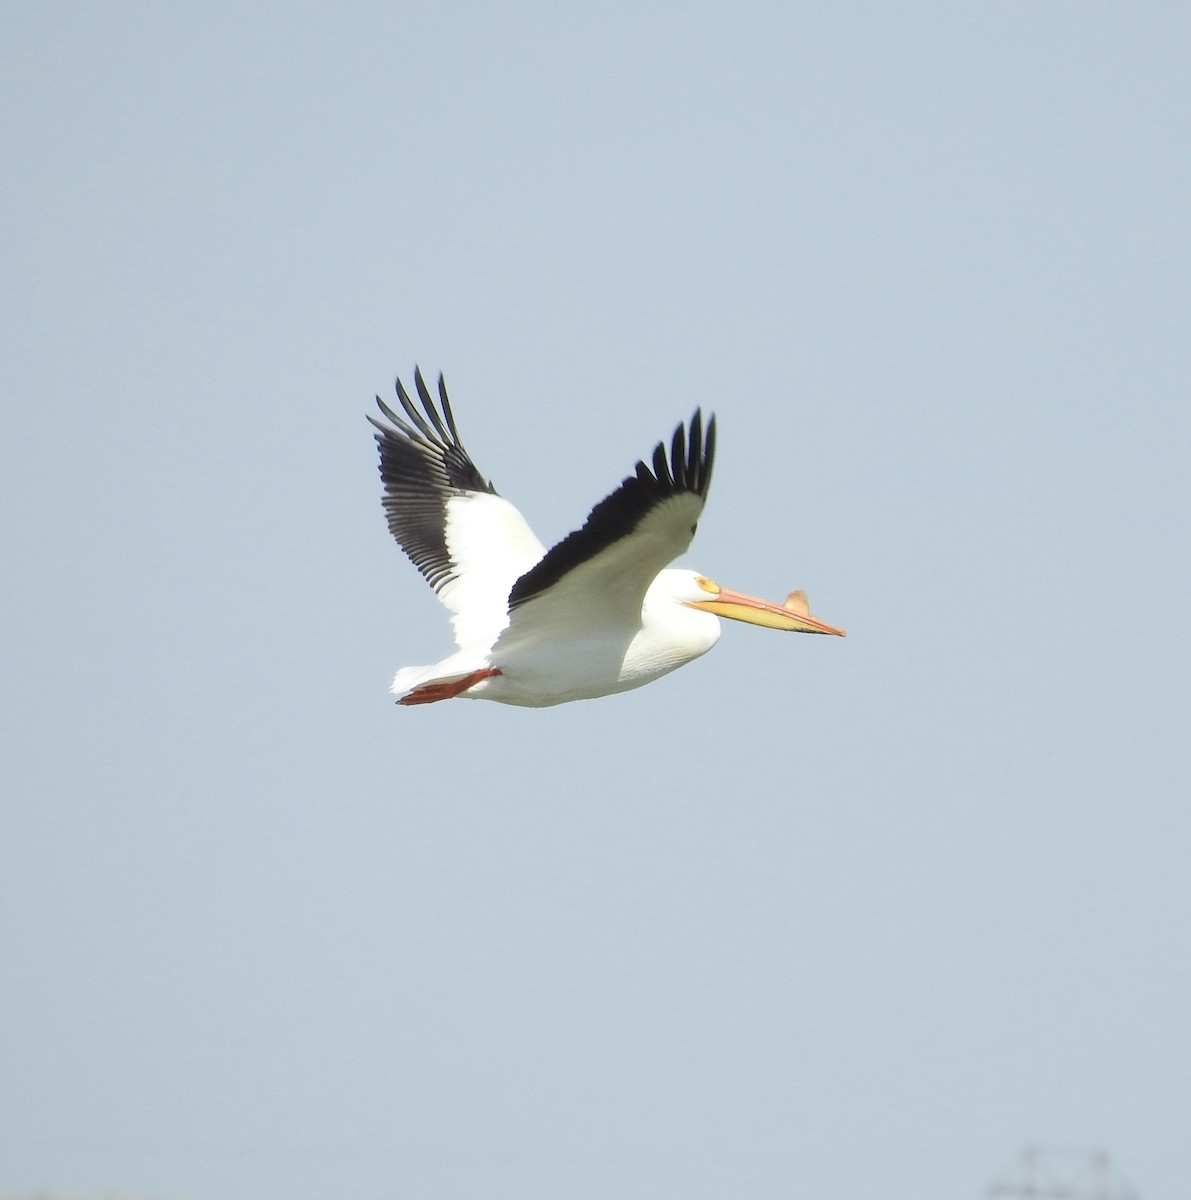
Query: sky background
<point>855,919</point>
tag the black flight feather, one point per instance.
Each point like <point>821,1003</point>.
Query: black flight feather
<point>422,465</point>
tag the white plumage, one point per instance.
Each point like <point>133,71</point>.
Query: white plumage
<point>599,612</point>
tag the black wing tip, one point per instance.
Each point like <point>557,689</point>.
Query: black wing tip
<point>686,465</point>
<point>389,415</point>
<point>433,423</point>
<point>423,463</point>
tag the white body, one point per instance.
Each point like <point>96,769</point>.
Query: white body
<point>539,669</point>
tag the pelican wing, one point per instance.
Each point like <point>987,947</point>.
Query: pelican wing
<point>596,578</point>
<point>468,541</point>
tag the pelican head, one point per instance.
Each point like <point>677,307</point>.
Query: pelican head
<point>794,615</point>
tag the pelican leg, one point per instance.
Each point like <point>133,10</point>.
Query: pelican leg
<point>431,693</point>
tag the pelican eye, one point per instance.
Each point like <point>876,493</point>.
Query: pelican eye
<point>708,585</point>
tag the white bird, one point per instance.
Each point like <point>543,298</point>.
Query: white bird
<point>596,614</point>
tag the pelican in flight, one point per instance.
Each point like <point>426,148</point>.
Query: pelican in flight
<point>598,613</point>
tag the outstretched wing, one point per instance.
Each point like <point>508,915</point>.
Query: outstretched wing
<point>597,577</point>
<point>469,542</point>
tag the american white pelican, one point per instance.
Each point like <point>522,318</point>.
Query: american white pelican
<point>597,613</point>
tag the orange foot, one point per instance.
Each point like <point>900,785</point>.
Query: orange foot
<point>430,692</point>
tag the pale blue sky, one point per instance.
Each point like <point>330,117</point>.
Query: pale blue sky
<point>849,919</point>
